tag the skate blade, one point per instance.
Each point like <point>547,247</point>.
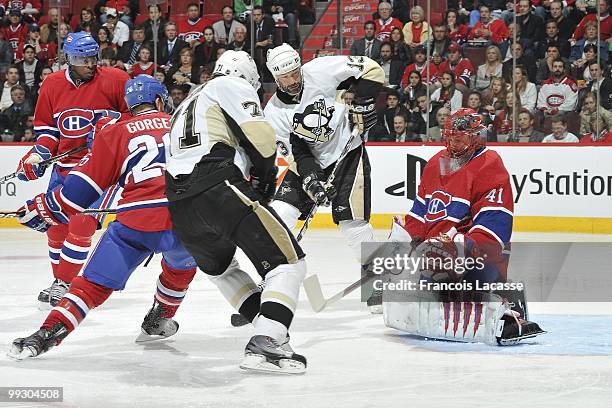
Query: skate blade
<point>44,306</point>
<point>516,340</point>
<point>258,363</point>
<point>19,354</point>
<point>238,320</point>
<point>144,337</point>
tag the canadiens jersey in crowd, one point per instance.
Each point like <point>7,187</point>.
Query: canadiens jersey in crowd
<point>66,113</point>
<point>476,199</point>
<point>316,115</point>
<point>131,154</point>
<point>193,31</point>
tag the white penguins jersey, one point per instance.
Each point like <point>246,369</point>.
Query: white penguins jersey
<point>317,116</point>
<point>225,110</point>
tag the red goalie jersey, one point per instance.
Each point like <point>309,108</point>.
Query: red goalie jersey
<point>130,153</point>
<point>66,113</point>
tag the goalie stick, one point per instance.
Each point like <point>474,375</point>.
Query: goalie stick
<point>47,162</point>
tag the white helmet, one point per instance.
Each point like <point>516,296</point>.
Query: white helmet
<point>238,64</point>
<point>282,60</point>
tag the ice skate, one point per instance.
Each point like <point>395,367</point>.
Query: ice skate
<point>238,320</point>
<point>155,327</point>
<point>374,302</point>
<point>512,329</point>
<point>43,299</point>
<point>264,354</point>
<point>57,291</point>
<point>38,343</point>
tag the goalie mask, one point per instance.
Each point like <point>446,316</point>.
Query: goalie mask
<point>464,133</point>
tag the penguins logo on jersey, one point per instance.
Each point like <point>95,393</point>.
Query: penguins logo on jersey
<point>313,124</point>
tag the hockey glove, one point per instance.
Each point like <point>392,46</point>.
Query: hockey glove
<point>318,192</point>
<point>37,214</point>
<point>439,256</point>
<point>363,114</point>
<point>266,187</point>
<point>28,168</point>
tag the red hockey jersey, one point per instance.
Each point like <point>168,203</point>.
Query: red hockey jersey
<point>131,154</point>
<point>477,199</point>
<point>189,31</point>
<point>384,28</point>
<point>463,70</point>
<point>65,113</point>
<point>15,36</point>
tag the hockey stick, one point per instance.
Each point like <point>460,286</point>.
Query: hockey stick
<point>47,162</point>
<point>19,214</point>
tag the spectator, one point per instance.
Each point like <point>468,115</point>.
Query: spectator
<point>521,59</point>
<point>87,18</point>
<point>461,67</point>
<point>545,65</point>
<point>559,132</point>
<point>178,95</point>
<point>30,68</point>
<point>35,91</point>
<point>448,95</point>
<point>412,88</point>
<point>494,97</point>
<point>243,7</point>
<point>28,134</point>
<point>496,7</point>
<point>605,22</point>
<point>456,32</point>
<point>565,25</point>
<point>264,32</point>
<point>400,132</point>
<point>128,53</point>
<point>184,73</point>
<point>286,10</point>
<point>400,10</point>
<point>552,37</point>
<point>417,119</point>
<point>401,50</point>
<point>526,131</point>
<point>154,25</point>
<point>474,101</point>
<point>526,90</point>
<point>490,30</point>
<point>394,69</point>
<point>191,29</point>
<point>420,64</point>
<point>385,117</point>
<point>48,32</point>
<point>6,55</point>
<point>41,50</point>
<point>435,133</point>
<point>492,68</point>
<point>16,32</point>
<point>126,9</point>
<point>416,32</point>
<point>559,93</point>
<point>368,46</point>
<point>206,52</point>
<point>205,75</point>
<point>440,41</point>
<point>29,9</point>
<point>528,46</point>
<point>385,23</point>
<point>143,64</point>
<point>240,42</point>
<point>590,37</point>
<point>225,28</point>
<point>589,109</point>
<point>16,115</point>
<point>120,30</point>
<point>463,8</point>
<point>62,33</point>
<point>168,50</point>
<point>600,131</point>
<point>505,117</point>
<point>581,66</point>
<point>600,84</point>
<point>531,26</point>
<point>12,79</point>
<point>104,39</point>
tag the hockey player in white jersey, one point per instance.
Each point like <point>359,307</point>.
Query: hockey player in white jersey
<point>313,128</point>
<point>218,139</point>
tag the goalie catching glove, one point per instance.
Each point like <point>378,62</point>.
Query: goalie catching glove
<point>29,168</point>
<point>439,254</point>
<point>363,113</point>
<point>318,192</point>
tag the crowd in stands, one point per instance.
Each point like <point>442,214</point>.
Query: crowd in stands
<point>544,73</point>
<point>187,45</point>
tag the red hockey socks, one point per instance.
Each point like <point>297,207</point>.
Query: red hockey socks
<point>172,286</point>
<point>76,246</point>
<point>55,239</point>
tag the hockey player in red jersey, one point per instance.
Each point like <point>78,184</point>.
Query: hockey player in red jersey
<point>464,208</point>
<point>129,153</point>
<point>69,104</point>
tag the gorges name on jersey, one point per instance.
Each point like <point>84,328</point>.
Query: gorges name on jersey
<point>225,110</point>
<point>316,116</point>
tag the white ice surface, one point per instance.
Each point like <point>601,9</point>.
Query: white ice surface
<point>353,360</point>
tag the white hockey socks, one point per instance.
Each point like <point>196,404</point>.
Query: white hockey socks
<point>287,213</point>
<point>235,284</point>
<point>357,232</point>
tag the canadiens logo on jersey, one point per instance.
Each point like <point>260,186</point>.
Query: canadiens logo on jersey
<point>438,205</point>
<point>313,124</point>
<point>77,123</point>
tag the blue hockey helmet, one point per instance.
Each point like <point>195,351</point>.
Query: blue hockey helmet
<point>144,89</point>
<point>79,46</point>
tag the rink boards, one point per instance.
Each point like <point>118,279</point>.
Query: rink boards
<point>561,188</point>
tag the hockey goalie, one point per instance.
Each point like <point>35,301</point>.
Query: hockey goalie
<point>463,209</point>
